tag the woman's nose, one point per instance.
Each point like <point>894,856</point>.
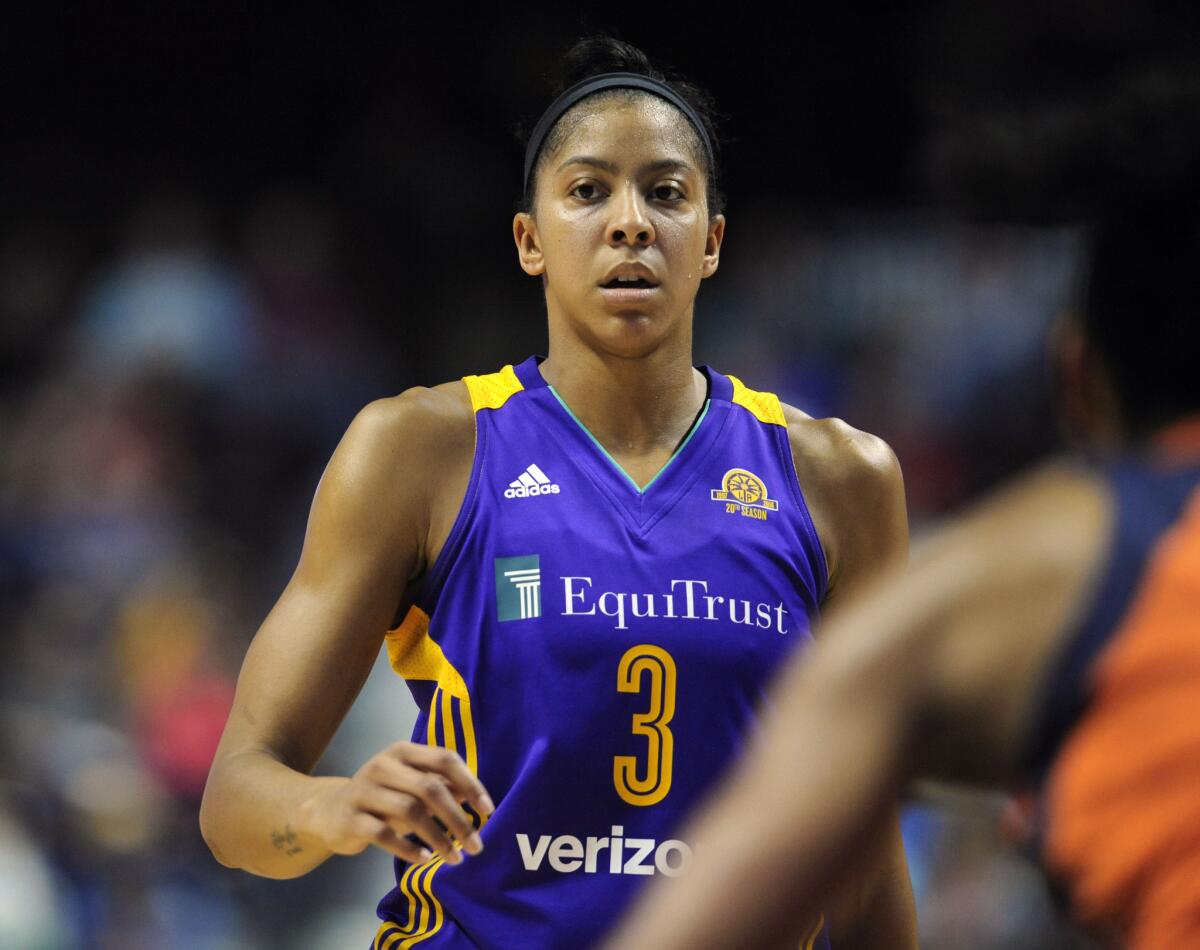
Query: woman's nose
<point>630,223</point>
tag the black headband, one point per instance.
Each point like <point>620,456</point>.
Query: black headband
<point>609,81</point>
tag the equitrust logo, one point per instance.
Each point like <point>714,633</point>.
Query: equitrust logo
<point>518,587</point>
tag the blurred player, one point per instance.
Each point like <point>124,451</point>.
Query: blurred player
<point>599,560</point>
<point>1051,636</point>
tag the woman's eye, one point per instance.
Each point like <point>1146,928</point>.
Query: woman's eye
<point>667,193</point>
<point>585,190</point>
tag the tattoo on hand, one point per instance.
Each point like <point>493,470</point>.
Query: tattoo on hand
<point>285,840</point>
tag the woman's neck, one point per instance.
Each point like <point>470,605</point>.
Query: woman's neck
<point>633,406</point>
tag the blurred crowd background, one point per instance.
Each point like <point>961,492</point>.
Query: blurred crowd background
<point>224,230</point>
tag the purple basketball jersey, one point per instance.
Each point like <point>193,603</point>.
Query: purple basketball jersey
<point>596,652</point>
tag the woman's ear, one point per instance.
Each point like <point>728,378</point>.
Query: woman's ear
<point>712,245</point>
<point>529,246</point>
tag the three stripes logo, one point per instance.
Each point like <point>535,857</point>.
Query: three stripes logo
<point>531,482</point>
<point>518,587</point>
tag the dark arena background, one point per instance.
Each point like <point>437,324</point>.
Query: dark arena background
<point>225,229</point>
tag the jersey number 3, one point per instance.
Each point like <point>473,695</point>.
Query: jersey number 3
<point>648,669</point>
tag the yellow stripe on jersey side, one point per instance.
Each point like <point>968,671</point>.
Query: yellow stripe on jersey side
<point>425,884</point>
<point>441,710</point>
<point>415,655</point>
<point>492,390</point>
<point>425,913</point>
<point>389,930</point>
<point>448,735</point>
<point>431,914</point>
<point>425,910</point>
<point>765,407</point>
<point>468,726</point>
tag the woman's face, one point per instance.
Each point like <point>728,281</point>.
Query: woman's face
<point>622,196</point>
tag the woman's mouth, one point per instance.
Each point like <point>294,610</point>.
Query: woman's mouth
<point>626,292</point>
<point>618,282</point>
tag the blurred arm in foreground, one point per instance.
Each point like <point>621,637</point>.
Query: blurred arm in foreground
<point>1051,636</point>
<point>935,673</point>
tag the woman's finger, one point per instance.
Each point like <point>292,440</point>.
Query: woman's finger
<point>432,789</point>
<point>464,784</point>
<point>406,812</point>
<point>381,834</point>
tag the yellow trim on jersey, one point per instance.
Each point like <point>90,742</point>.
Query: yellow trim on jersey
<point>441,709</point>
<point>468,727</point>
<point>451,740</point>
<point>425,910</point>
<point>435,708</point>
<point>431,915</point>
<point>415,655</point>
<point>492,390</point>
<point>764,406</point>
<point>389,930</point>
<point>425,913</point>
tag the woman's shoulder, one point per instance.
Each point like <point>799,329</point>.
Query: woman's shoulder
<point>420,406</point>
<point>829,450</point>
<point>405,463</point>
<point>418,427</point>
<point>836,455</point>
<point>852,483</point>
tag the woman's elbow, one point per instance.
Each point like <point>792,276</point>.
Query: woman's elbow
<point>210,824</point>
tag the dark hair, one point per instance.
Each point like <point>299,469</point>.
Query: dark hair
<point>1126,165</point>
<point>593,55</point>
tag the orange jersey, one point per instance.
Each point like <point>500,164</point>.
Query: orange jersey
<point>1122,794</point>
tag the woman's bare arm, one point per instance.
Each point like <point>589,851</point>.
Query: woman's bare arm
<point>367,536</point>
<point>856,495</point>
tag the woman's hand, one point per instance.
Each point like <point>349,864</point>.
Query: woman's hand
<point>406,789</point>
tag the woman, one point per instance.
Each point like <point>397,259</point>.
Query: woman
<point>613,552</point>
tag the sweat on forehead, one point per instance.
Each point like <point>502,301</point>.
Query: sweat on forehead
<point>597,105</point>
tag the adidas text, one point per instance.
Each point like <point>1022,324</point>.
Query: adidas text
<point>523,491</point>
<point>533,481</point>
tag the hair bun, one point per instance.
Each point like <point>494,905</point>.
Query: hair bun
<point>599,53</point>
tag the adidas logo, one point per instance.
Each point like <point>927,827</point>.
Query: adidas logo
<point>532,481</point>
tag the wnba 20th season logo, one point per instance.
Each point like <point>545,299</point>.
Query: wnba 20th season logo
<point>745,494</point>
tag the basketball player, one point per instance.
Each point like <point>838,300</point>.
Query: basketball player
<point>599,559</point>
<point>1050,637</point>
